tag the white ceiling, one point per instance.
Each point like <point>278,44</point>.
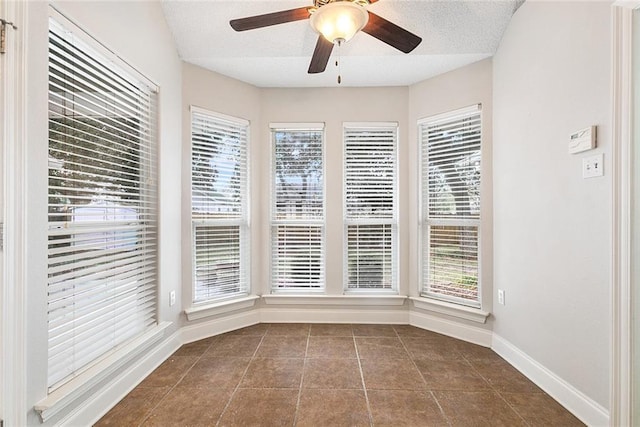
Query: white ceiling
<point>454,33</point>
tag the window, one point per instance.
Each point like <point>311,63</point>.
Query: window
<point>297,211</point>
<point>370,200</point>
<point>451,172</point>
<point>102,205</point>
<point>219,206</point>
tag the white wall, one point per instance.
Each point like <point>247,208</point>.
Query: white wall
<point>451,91</point>
<point>551,226</point>
<point>138,33</point>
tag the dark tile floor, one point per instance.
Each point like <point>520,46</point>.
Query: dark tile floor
<point>335,375</point>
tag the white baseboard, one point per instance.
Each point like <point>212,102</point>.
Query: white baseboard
<point>457,330</point>
<point>398,316</point>
<point>580,405</point>
<point>107,397</point>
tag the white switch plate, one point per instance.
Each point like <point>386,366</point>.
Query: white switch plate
<point>500,296</point>
<point>172,298</point>
<point>593,166</point>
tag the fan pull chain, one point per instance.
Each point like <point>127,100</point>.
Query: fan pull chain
<point>339,63</point>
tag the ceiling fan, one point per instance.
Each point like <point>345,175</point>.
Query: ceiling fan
<point>336,21</point>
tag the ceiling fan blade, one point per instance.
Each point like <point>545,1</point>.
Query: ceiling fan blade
<point>391,34</point>
<point>266,20</point>
<point>320,56</point>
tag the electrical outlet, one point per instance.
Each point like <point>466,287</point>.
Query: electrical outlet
<point>172,298</point>
<point>500,296</point>
<point>593,166</point>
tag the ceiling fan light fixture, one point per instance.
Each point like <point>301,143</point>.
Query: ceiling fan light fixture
<point>339,21</point>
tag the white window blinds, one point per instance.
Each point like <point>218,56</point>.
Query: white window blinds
<point>370,200</point>
<point>102,238</point>
<point>219,195</point>
<point>297,216</point>
<point>451,172</point>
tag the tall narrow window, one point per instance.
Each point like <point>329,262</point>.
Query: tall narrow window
<point>370,200</point>
<point>297,211</point>
<point>102,207</point>
<point>451,172</point>
<point>219,206</point>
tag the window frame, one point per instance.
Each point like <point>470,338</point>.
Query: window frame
<point>364,221</point>
<point>243,222</point>
<point>425,222</point>
<point>321,222</point>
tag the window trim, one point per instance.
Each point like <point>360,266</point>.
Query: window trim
<point>393,222</point>
<point>429,301</point>
<point>207,309</point>
<point>351,300</point>
<point>296,126</point>
<point>210,305</point>
<point>450,309</point>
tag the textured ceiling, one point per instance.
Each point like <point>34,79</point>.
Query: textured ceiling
<point>454,33</point>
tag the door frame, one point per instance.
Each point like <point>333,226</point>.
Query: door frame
<point>12,284</point>
<point>621,393</point>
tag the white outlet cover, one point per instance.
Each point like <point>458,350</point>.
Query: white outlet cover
<point>593,166</point>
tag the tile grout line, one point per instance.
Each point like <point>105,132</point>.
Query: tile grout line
<point>241,378</point>
<point>496,391</point>
<point>427,389</point>
<point>176,384</point>
<point>435,399</point>
<point>364,386</point>
<point>513,409</point>
<point>304,364</point>
<point>413,362</point>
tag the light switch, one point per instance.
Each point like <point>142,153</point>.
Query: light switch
<point>593,166</point>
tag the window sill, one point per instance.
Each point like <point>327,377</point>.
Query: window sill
<point>216,308</point>
<point>363,300</point>
<point>79,386</point>
<point>454,310</point>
